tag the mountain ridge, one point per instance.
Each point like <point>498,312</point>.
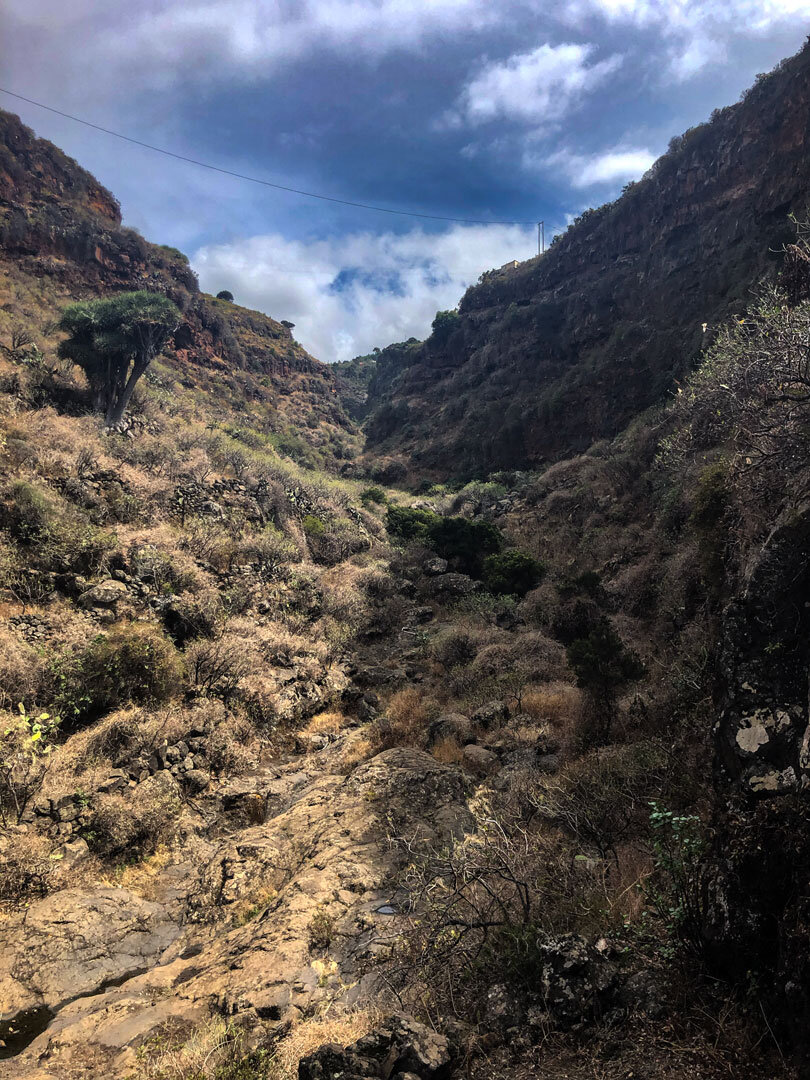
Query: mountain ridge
<point>566,348</point>
<point>61,229</point>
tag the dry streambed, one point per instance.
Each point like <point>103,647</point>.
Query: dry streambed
<point>265,923</point>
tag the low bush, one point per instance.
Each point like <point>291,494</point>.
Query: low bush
<point>601,799</point>
<point>332,540</point>
<point>132,663</point>
<point>56,536</point>
<point>133,826</point>
<point>25,748</point>
<point>194,616</point>
<point>169,572</point>
<point>462,541</point>
<point>25,867</point>
<point>270,551</point>
<point>482,909</point>
<point>409,712</point>
<point>453,648</point>
<point>215,667</point>
<point>512,572</point>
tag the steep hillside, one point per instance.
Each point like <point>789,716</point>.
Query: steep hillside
<point>61,239</point>
<point>567,348</point>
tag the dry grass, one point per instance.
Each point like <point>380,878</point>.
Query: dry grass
<point>326,723</point>
<point>410,711</point>
<point>307,1036</point>
<point>25,867</point>
<point>22,672</point>
<point>558,704</point>
<point>138,824</point>
<point>143,877</point>
<point>210,1046</point>
<point>358,747</point>
<point>218,1046</point>
<point>448,751</point>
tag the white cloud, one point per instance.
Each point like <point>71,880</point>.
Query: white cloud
<point>158,43</point>
<point>619,164</point>
<point>393,284</point>
<point>695,33</point>
<point>538,87</point>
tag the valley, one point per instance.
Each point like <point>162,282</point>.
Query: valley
<point>439,714</point>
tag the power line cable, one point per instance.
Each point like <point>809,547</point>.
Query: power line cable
<point>255,179</point>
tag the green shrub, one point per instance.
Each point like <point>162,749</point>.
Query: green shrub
<point>512,573</point>
<point>373,494</point>
<point>133,663</point>
<point>677,890</point>
<point>313,526</point>
<point>601,662</point>
<point>587,584</point>
<point>58,537</point>
<point>711,498</point>
<point>409,524</point>
<point>464,542</point>
<point>710,507</point>
<point>444,324</point>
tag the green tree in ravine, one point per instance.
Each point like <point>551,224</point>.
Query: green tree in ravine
<point>512,573</point>
<point>114,340</point>
<point>602,665</point>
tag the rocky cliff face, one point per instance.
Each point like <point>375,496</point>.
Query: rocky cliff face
<point>566,349</point>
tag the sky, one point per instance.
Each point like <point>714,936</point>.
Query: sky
<point>507,111</point>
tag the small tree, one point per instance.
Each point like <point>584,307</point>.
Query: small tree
<point>114,341</point>
<point>24,759</point>
<point>602,666</point>
<point>225,295</point>
<point>444,324</point>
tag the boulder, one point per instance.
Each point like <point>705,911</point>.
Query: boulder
<point>399,1047</point>
<point>451,726</point>
<point>71,854</point>
<point>74,943</point>
<point>434,567</point>
<point>106,594</point>
<point>491,715</point>
<point>479,760</point>
<point>195,780</point>
<point>452,586</point>
<point>577,980</point>
<point>323,848</point>
<point>423,614</point>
